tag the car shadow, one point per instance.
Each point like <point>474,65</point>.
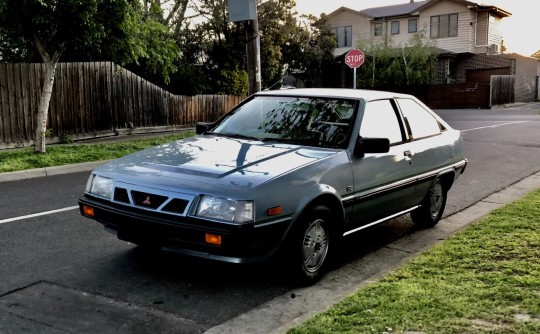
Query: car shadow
<point>193,287</point>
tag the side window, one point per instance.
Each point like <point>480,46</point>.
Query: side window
<point>377,29</point>
<point>380,121</point>
<point>395,27</point>
<point>421,122</point>
<point>343,36</point>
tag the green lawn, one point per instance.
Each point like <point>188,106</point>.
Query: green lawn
<point>485,279</point>
<point>57,155</point>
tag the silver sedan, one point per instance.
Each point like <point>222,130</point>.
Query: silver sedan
<point>284,175</point>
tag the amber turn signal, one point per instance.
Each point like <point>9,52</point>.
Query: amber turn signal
<point>213,239</point>
<point>89,211</point>
<point>275,211</point>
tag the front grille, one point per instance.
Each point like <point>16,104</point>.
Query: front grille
<point>121,195</point>
<point>176,206</point>
<point>150,199</point>
<point>147,200</point>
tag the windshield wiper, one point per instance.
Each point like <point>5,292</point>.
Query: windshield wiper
<point>301,141</point>
<point>233,135</point>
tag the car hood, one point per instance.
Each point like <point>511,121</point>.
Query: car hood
<point>210,162</point>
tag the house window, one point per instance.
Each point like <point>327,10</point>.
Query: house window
<point>444,26</point>
<point>413,25</point>
<point>377,28</point>
<point>344,36</point>
<point>395,27</point>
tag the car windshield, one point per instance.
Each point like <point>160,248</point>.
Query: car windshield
<point>322,122</point>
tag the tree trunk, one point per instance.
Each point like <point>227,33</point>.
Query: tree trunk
<point>43,107</point>
<point>46,92</point>
<point>406,65</point>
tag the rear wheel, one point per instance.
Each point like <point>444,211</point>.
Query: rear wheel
<point>432,207</point>
<point>310,245</point>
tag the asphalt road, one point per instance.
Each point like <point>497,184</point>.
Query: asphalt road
<point>62,273</point>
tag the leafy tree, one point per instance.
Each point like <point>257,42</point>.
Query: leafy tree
<point>390,65</point>
<point>419,58</point>
<point>277,26</point>
<point>79,30</point>
<point>215,49</point>
<point>223,48</point>
<point>313,54</point>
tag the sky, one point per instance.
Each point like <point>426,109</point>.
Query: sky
<point>520,31</point>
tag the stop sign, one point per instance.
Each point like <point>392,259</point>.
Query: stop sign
<point>354,58</point>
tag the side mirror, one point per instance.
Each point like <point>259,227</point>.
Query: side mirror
<point>371,145</point>
<point>202,127</point>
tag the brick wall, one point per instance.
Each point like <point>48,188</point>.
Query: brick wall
<point>481,61</point>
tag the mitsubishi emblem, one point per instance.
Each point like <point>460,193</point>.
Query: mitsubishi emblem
<point>147,201</point>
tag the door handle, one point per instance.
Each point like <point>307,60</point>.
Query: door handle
<point>408,156</point>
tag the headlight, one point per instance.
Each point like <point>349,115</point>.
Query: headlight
<point>225,209</point>
<point>100,186</point>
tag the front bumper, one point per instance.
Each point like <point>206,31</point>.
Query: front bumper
<point>187,235</point>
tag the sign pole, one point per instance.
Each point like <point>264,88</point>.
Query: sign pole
<point>354,59</point>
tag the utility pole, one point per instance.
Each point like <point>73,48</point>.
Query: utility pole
<point>246,10</point>
<point>253,47</point>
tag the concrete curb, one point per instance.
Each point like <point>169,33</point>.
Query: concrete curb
<point>294,307</point>
<point>50,171</point>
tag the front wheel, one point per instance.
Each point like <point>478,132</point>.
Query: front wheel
<point>310,245</point>
<point>432,207</point>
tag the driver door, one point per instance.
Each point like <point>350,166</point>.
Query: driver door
<point>384,183</point>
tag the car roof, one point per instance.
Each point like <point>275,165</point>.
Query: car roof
<point>364,94</point>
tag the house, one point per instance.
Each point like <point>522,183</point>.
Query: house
<point>468,38</point>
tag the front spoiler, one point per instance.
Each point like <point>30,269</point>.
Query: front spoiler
<point>241,243</point>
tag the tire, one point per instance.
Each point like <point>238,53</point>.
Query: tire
<point>310,245</point>
<point>432,207</point>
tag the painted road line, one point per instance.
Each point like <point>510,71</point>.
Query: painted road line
<point>69,208</point>
<point>494,126</point>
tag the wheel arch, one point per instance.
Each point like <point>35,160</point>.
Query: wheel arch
<point>335,206</point>
<point>327,196</point>
<point>446,178</point>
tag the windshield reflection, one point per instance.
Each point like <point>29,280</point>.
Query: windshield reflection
<point>297,120</point>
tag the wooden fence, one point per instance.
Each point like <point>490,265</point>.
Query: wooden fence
<point>457,96</point>
<point>93,99</point>
<point>502,89</point>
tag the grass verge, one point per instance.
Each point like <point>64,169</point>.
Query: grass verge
<point>485,279</point>
<point>57,155</point>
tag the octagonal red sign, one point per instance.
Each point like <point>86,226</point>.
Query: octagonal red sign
<point>354,58</point>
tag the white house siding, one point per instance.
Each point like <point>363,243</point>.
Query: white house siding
<point>359,24</point>
<point>495,35</point>
<point>404,36</point>
<point>464,41</point>
<point>482,28</point>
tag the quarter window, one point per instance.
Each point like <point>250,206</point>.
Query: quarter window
<point>444,26</point>
<point>380,121</point>
<point>344,36</point>
<point>421,122</point>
